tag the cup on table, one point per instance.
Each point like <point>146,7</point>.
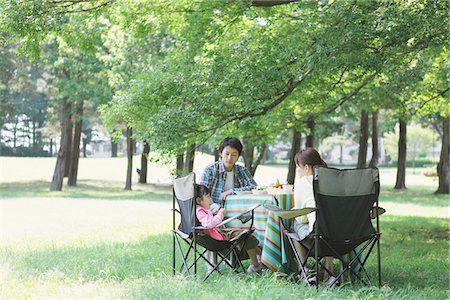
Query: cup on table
<point>288,188</point>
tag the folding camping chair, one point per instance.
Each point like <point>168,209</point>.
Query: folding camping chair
<point>189,230</point>
<point>346,200</point>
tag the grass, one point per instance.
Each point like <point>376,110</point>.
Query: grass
<point>413,252</point>
<point>97,241</point>
<point>86,189</point>
<point>418,194</point>
<point>112,246</point>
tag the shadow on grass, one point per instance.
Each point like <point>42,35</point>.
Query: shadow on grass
<point>414,253</point>
<point>419,195</point>
<point>87,189</point>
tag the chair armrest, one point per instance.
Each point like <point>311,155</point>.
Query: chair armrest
<point>230,219</point>
<point>253,207</point>
<point>176,210</point>
<point>376,211</point>
<point>289,214</point>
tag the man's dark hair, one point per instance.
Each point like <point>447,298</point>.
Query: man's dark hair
<point>232,142</point>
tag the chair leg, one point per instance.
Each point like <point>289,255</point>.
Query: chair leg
<point>379,261</point>
<point>300,263</point>
<point>184,257</point>
<point>173,253</point>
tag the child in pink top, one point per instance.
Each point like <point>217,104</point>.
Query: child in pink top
<point>207,219</point>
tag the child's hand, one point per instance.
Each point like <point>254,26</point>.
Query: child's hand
<point>223,210</point>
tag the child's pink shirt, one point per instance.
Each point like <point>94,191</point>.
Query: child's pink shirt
<point>207,219</point>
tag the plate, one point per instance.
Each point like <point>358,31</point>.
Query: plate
<point>259,192</point>
<point>243,192</point>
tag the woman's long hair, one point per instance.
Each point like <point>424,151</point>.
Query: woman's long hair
<point>309,156</point>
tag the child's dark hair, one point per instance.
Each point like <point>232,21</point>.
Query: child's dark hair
<point>201,190</point>
<point>309,156</point>
<point>232,142</point>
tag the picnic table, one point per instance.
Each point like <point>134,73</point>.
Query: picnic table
<point>267,225</point>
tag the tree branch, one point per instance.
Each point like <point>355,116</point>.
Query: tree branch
<point>280,97</point>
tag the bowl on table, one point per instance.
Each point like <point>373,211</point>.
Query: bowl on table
<point>288,188</point>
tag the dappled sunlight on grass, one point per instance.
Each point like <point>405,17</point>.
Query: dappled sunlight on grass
<point>98,241</point>
<point>86,190</point>
<point>419,195</point>
<point>59,221</point>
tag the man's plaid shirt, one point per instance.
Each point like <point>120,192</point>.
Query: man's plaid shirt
<point>214,178</point>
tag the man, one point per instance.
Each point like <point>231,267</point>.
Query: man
<point>225,177</point>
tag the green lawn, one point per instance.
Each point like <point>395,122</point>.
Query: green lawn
<point>414,263</point>
<point>117,245</point>
<point>85,189</point>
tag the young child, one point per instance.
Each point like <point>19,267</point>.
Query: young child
<point>207,219</point>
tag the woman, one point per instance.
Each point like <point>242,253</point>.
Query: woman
<point>305,161</point>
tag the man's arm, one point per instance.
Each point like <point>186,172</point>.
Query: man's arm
<point>246,179</point>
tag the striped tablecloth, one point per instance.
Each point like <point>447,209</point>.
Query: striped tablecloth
<point>273,254</point>
<point>237,204</point>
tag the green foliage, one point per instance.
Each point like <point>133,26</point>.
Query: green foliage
<point>192,71</point>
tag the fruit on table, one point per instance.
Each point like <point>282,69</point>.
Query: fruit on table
<point>277,184</point>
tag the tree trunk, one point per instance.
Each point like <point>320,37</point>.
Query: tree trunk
<point>180,163</point>
<point>247,155</point>
<point>144,163</point>
<point>113,148</point>
<point>262,152</point>
<point>129,158</point>
<point>363,136</point>
<point>341,154</point>
<point>296,141</point>
<point>51,147</point>
<point>311,124</point>
<point>84,147</point>
<point>62,156</point>
<point>400,183</point>
<point>75,153</point>
<point>69,143</point>
<point>216,154</point>
<point>189,161</point>
<point>375,154</point>
<point>443,167</point>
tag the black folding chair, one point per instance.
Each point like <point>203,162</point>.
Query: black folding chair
<point>346,201</point>
<point>189,230</point>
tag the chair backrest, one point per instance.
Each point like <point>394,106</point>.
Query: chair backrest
<point>344,199</point>
<point>184,195</point>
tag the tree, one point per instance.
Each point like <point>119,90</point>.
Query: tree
<point>296,142</point>
<point>443,168</point>
<point>401,162</point>
<point>144,160</point>
<point>364,134</point>
<point>375,153</point>
<point>129,159</point>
